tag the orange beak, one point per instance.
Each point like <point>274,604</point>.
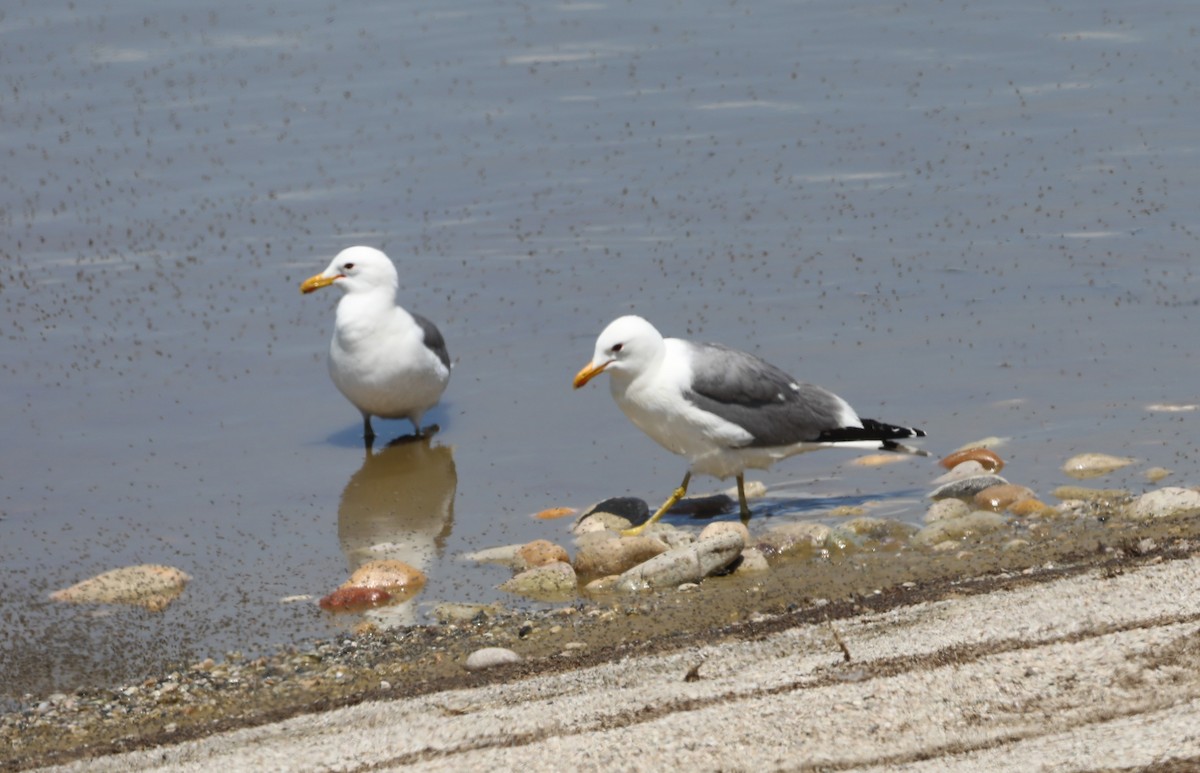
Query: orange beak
<point>314,283</point>
<point>589,372</point>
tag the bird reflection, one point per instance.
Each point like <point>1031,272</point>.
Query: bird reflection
<point>399,505</point>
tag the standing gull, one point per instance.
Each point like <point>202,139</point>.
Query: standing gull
<point>389,362</point>
<point>723,409</point>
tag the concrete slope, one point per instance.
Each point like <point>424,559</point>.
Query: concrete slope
<point>1085,672</point>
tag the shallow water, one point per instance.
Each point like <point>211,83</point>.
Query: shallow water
<point>975,220</point>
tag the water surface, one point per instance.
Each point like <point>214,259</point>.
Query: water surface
<point>975,219</point>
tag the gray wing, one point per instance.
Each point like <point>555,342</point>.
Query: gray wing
<point>776,409</point>
<point>433,339</point>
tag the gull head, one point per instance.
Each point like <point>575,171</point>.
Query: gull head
<point>356,269</point>
<point>627,346</point>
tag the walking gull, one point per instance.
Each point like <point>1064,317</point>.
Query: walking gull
<point>388,362</point>
<point>723,409</point>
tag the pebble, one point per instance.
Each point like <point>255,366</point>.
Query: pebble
<point>878,529</point>
<point>490,657</point>
<point>1164,502</point>
<point>1092,465</point>
<point>690,563</point>
<point>554,581</point>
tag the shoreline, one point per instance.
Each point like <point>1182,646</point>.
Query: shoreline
<point>407,664</point>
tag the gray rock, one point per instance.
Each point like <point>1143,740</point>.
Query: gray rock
<point>490,657</point>
<point>690,563</point>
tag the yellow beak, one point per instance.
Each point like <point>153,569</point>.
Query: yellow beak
<point>590,371</point>
<point>317,282</point>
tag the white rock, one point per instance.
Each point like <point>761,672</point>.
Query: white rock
<point>1171,500</point>
<point>489,657</point>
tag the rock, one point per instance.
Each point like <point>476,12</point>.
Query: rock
<point>613,555</point>
<point>1164,502</point>
<point>1172,407</point>
<point>354,599</point>
<point>987,442</point>
<point>602,585</point>
<point>388,574</point>
<point>986,458</point>
<point>541,552</point>
<point>967,469</point>
<point>706,506</point>
<point>878,529</point>
<point>753,562</point>
<point>456,612</point>
<point>755,489</point>
<point>1155,474</point>
<point>151,586</point>
<point>723,526</point>
<point>999,497</point>
<point>799,537</point>
<point>946,508</point>
<point>1094,465</point>
<point>490,657</point>
<point>1031,506</point>
<point>965,488</point>
<point>617,514</point>
<point>974,524</point>
<point>554,581</point>
<point>878,460</point>
<point>691,563</point>
<point>505,555</point>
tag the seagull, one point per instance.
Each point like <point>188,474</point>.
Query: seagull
<point>388,362</point>
<point>724,409</point>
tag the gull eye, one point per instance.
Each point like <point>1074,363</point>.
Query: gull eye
<point>616,348</point>
<point>348,266</point>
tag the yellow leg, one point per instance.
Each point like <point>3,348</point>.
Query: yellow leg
<point>742,497</point>
<point>675,497</point>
